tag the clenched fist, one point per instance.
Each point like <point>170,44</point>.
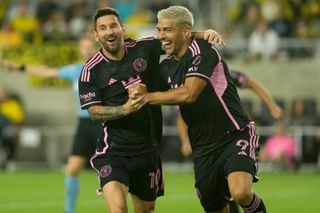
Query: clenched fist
<point>137,90</point>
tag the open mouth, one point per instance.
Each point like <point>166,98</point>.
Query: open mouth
<point>166,44</point>
<point>111,40</point>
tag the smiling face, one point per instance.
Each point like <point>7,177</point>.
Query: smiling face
<point>174,37</point>
<point>110,33</point>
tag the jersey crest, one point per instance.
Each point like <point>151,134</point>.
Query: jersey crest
<point>140,65</point>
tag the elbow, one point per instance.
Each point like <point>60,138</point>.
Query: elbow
<point>189,98</point>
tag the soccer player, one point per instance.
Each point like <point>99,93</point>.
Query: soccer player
<point>222,137</point>
<point>242,81</point>
<point>87,131</point>
<point>126,159</point>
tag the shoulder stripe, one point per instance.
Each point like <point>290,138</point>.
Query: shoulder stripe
<point>130,43</point>
<point>85,76</point>
<point>194,47</point>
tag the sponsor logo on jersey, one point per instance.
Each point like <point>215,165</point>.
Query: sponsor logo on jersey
<point>140,65</point>
<point>112,81</point>
<point>88,96</point>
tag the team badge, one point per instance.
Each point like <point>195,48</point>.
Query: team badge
<point>140,65</point>
<point>105,171</point>
<point>196,61</point>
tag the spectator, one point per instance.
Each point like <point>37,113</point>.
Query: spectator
<point>56,28</point>
<point>300,51</point>
<point>44,10</point>
<point>11,116</point>
<point>296,7</point>
<point>77,24</point>
<point>281,24</point>
<point>77,7</point>
<point>269,9</point>
<point>139,19</point>
<point>300,116</point>
<point>280,149</point>
<point>249,24</point>
<point>15,7</point>
<point>263,43</point>
<point>26,24</point>
<point>8,37</point>
<point>244,15</point>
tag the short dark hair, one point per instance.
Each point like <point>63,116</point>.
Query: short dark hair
<point>104,12</point>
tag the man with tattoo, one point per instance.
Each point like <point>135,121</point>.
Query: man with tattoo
<point>126,158</point>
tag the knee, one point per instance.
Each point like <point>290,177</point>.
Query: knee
<point>73,171</point>
<point>241,194</point>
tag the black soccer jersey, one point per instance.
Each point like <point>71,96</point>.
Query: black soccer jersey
<point>105,82</point>
<point>239,79</point>
<point>217,112</point>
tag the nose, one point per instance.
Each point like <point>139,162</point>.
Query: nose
<point>161,35</point>
<point>109,31</point>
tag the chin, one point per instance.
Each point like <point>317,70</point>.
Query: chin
<point>169,52</point>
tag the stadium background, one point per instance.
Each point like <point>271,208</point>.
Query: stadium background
<point>46,133</point>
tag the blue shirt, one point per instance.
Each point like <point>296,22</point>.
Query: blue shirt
<point>72,73</point>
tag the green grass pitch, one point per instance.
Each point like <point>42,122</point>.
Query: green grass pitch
<point>42,191</point>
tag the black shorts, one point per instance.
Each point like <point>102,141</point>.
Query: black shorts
<point>86,137</point>
<point>211,171</point>
<point>142,174</point>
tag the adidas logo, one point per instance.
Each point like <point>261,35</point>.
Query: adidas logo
<point>111,81</point>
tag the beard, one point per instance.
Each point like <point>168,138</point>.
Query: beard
<point>111,49</point>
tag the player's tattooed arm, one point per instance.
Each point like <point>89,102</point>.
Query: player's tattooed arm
<point>107,113</point>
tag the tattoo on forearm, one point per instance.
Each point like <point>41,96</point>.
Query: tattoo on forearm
<point>106,113</point>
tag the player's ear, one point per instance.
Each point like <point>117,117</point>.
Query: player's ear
<point>186,31</point>
<point>123,29</point>
<point>95,35</point>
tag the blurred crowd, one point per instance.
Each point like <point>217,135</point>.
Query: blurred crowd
<point>32,21</point>
<point>267,23</point>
